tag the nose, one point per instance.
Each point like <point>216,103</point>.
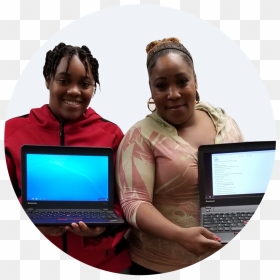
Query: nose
<point>73,90</point>
<point>173,93</point>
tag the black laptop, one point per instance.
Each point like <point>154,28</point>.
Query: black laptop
<point>233,178</point>
<point>62,185</point>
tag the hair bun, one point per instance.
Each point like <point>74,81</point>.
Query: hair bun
<point>171,39</point>
<point>151,45</point>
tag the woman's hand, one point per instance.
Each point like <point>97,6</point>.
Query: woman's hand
<point>83,230</point>
<point>52,231</point>
<point>199,240</point>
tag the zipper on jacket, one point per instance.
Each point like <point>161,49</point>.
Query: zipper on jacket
<point>61,133</point>
<point>61,137</point>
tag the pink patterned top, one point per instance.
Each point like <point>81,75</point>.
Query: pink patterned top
<point>156,166</point>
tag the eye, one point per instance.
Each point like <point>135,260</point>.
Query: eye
<point>183,82</point>
<point>86,85</point>
<point>63,81</point>
<point>161,86</point>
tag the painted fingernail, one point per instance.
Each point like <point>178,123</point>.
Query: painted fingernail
<point>217,238</point>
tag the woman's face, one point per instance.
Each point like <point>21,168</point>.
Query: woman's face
<point>173,87</point>
<point>71,92</point>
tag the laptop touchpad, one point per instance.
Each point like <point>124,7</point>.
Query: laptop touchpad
<point>225,236</point>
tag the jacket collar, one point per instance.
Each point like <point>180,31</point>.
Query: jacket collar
<point>47,120</point>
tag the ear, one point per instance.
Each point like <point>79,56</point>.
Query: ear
<point>47,83</point>
<point>150,89</point>
<point>195,81</point>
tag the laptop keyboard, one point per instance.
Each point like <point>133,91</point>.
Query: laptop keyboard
<point>71,214</point>
<point>234,221</point>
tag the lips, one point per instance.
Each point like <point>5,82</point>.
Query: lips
<point>175,107</point>
<point>72,102</point>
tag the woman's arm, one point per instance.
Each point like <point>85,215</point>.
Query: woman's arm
<point>135,177</point>
<point>12,173</point>
<point>196,240</point>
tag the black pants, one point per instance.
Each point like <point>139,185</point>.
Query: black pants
<point>137,269</point>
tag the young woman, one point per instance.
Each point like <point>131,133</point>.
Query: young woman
<point>71,75</point>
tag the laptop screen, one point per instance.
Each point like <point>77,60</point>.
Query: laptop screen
<point>52,177</point>
<point>239,173</point>
<point>234,173</point>
<point>64,177</point>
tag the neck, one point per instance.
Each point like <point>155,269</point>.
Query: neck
<point>190,122</point>
<point>60,120</point>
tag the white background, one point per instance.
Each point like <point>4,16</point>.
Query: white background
<point>226,77</point>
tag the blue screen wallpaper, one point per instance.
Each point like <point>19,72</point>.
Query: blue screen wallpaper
<point>67,178</point>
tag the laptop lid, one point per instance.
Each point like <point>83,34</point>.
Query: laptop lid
<point>234,174</point>
<point>62,177</point>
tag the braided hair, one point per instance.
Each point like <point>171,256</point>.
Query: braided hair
<point>53,58</point>
<point>158,48</point>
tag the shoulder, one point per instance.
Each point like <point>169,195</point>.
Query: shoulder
<point>212,110</point>
<point>110,126</point>
<point>148,123</point>
<point>102,123</point>
<point>142,133</point>
<point>138,128</point>
<point>227,128</point>
<point>14,124</point>
<point>22,122</point>
<point>218,115</point>
<point>234,130</point>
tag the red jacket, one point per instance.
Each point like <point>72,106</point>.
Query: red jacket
<point>109,251</point>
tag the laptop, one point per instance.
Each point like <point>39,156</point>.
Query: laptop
<point>63,185</point>
<point>233,178</point>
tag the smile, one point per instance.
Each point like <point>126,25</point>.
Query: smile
<point>175,107</point>
<point>72,103</point>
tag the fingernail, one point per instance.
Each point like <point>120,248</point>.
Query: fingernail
<point>217,238</point>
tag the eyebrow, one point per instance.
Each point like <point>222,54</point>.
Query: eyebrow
<point>67,74</point>
<point>179,74</point>
<point>63,73</point>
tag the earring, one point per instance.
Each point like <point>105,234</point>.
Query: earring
<point>197,97</point>
<point>151,102</point>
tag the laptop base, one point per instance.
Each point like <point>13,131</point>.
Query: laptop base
<point>65,218</point>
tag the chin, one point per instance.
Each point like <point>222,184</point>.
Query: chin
<point>71,117</point>
<point>175,121</point>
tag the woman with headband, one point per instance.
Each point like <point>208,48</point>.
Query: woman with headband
<point>157,170</point>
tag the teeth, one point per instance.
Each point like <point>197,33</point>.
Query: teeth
<point>71,102</point>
